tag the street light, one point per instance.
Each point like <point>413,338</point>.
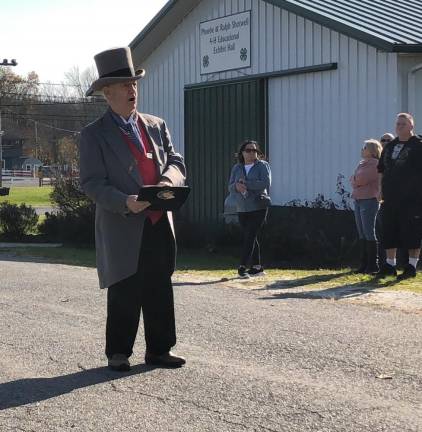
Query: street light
<point>5,62</point>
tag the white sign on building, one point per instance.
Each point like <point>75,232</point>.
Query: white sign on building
<point>225,43</point>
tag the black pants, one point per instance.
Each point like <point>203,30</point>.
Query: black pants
<point>149,290</point>
<point>401,226</point>
<point>251,223</point>
<point>382,256</point>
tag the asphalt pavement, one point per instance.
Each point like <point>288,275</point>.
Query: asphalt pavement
<point>256,361</point>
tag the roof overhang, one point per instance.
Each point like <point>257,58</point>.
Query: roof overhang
<point>407,48</point>
<point>174,11</point>
<point>346,29</point>
<point>166,20</point>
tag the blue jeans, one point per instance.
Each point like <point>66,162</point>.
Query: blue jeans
<point>365,215</point>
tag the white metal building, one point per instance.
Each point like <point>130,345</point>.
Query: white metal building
<point>336,73</point>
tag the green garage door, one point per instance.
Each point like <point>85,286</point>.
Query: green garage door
<point>217,119</point>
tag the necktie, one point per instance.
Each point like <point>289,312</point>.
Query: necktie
<point>128,129</point>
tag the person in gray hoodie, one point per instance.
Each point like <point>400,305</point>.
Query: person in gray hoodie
<point>249,183</point>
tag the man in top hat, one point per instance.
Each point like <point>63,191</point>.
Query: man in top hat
<point>135,247</point>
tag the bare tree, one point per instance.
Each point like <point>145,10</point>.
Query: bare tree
<point>81,81</point>
<point>14,85</point>
<point>47,116</point>
<point>68,152</point>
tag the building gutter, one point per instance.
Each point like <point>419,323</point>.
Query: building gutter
<point>407,48</point>
<point>276,74</point>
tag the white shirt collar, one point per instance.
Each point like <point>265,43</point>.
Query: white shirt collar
<point>131,120</point>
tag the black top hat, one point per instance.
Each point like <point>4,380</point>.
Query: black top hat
<point>114,66</point>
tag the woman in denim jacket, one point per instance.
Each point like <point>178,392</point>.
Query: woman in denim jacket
<point>249,182</point>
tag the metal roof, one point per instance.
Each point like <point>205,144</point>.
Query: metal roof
<point>390,25</point>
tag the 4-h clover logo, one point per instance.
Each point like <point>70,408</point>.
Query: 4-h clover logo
<point>243,54</point>
<point>206,61</point>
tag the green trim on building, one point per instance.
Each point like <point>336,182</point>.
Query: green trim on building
<point>217,119</point>
<point>280,73</point>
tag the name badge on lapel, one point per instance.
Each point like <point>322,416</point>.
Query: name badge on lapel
<point>149,155</point>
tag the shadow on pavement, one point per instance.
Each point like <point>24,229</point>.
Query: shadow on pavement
<point>9,256</point>
<point>29,390</point>
<point>308,280</point>
<point>347,290</point>
<point>211,282</point>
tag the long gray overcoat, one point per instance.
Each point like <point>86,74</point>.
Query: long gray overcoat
<point>108,174</point>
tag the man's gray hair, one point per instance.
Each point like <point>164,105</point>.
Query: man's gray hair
<point>407,116</point>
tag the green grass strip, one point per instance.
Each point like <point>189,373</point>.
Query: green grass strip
<point>33,196</point>
<point>200,263</point>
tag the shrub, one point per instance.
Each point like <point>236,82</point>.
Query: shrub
<point>16,221</point>
<point>74,222</point>
<point>343,202</point>
<point>318,236</point>
<point>74,228</point>
<point>308,236</point>
<point>68,195</point>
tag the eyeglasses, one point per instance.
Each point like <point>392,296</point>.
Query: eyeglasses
<point>249,150</point>
<point>385,140</point>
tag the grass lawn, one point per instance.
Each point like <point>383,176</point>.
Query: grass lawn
<point>33,196</point>
<point>200,263</point>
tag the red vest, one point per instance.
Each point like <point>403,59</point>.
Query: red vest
<point>146,166</point>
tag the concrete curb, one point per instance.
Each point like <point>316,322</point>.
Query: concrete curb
<point>24,245</point>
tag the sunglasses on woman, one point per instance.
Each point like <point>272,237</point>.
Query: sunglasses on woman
<point>250,150</point>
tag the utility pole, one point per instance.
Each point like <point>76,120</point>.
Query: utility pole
<point>36,140</point>
<point>5,62</point>
<point>1,155</point>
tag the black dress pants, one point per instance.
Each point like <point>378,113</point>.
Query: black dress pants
<point>251,223</point>
<point>149,290</point>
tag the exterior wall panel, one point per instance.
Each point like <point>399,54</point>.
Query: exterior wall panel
<point>317,122</point>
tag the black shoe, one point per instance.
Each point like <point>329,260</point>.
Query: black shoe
<point>372,254</point>
<point>361,269</point>
<point>256,271</point>
<point>408,272</point>
<point>241,271</point>
<point>166,360</point>
<point>386,270</point>
<point>363,257</point>
<point>119,362</point>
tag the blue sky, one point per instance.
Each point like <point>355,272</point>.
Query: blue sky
<point>51,36</point>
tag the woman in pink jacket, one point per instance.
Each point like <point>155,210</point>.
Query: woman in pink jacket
<point>366,192</point>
